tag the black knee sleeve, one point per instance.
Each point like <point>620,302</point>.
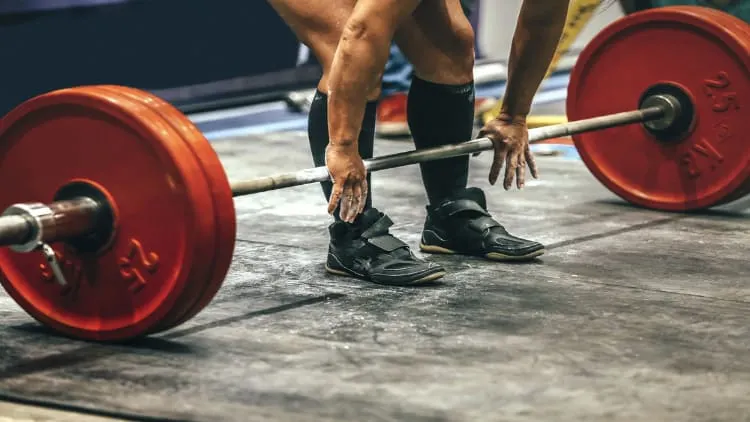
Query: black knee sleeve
<point>317,133</point>
<point>440,115</point>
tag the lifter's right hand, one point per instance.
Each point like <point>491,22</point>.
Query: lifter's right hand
<point>349,181</point>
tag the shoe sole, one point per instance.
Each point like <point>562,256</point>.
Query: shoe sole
<point>424,280</point>
<point>493,256</point>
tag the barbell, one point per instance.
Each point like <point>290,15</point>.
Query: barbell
<point>119,219</point>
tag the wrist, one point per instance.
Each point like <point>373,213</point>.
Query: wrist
<point>508,117</point>
<point>343,145</point>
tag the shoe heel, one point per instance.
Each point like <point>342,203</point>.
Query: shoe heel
<point>436,249</point>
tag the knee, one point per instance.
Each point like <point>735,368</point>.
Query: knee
<point>447,58</point>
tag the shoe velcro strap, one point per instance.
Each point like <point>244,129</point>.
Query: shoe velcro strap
<point>386,242</point>
<point>451,208</point>
<point>378,228</point>
<point>483,223</point>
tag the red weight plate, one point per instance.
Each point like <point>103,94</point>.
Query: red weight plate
<point>157,187</point>
<point>200,278</point>
<point>223,200</point>
<point>706,56</point>
<point>743,27</point>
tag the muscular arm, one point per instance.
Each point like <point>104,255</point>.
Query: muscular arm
<point>535,40</point>
<point>353,79</point>
<point>358,64</point>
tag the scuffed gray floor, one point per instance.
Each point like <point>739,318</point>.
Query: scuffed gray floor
<point>632,315</point>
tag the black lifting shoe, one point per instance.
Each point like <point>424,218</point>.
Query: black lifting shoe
<point>462,225</point>
<point>367,251</point>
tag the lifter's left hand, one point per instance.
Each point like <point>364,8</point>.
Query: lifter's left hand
<point>510,136</point>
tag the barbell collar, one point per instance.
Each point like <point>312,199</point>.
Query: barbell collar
<point>25,227</point>
<point>15,229</point>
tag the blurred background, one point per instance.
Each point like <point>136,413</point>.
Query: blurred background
<point>233,65</point>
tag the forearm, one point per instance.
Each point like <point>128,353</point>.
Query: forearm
<point>538,31</point>
<point>355,74</point>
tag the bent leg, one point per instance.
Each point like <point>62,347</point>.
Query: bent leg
<point>392,110</point>
<point>364,249</point>
<point>440,44</point>
<point>439,41</point>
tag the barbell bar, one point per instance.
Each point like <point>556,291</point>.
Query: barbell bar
<point>19,225</point>
<point>24,226</point>
<point>667,106</point>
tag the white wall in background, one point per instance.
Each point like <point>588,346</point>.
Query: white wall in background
<point>498,20</point>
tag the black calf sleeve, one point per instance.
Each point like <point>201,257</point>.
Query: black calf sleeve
<point>317,133</point>
<point>440,115</point>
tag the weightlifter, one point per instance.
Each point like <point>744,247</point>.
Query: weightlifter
<point>351,40</point>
